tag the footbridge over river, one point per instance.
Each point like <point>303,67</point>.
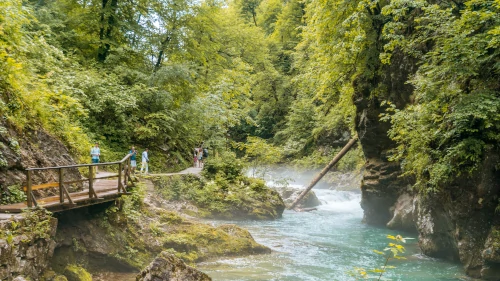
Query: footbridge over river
<point>94,189</point>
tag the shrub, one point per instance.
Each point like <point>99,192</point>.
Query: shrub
<point>12,194</point>
<point>225,166</point>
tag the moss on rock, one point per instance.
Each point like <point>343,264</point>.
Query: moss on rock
<point>131,233</point>
<point>219,198</point>
<point>74,272</point>
<point>168,267</point>
<point>50,275</point>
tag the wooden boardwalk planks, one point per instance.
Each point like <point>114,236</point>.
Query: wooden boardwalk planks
<point>106,190</point>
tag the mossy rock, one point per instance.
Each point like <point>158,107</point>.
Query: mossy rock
<point>166,266</point>
<point>131,234</point>
<point>198,242</point>
<point>50,275</point>
<point>76,273</point>
<point>239,199</point>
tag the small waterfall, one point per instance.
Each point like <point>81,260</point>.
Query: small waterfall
<point>339,201</point>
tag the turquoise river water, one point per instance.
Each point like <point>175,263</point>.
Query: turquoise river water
<point>325,245</point>
<point>320,245</point>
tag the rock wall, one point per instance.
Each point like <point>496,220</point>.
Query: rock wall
<point>381,184</point>
<point>460,223</point>
<point>24,250</point>
<point>29,149</point>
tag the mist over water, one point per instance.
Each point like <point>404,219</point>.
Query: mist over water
<point>324,245</point>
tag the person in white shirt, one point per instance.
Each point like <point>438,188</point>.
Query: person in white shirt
<point>145,161</point>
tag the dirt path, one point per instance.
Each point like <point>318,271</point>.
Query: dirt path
<point>191,170</point>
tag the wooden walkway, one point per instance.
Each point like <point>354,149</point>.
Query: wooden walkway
<point>103,187</point>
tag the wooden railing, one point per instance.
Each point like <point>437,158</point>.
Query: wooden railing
<point>124,171</point>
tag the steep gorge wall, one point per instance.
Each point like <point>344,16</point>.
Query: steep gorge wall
<point>459,223</point>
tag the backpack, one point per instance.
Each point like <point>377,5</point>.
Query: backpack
<point>205,152</point>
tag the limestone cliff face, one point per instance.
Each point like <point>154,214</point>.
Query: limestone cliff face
<point>460,223</point>
<point>381,184</point>
<point>30,149</point>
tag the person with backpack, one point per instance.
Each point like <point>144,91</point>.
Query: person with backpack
<point>205,153</point>
<point>133,161</point>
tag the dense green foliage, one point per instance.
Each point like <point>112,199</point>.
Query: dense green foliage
<point>168,74</point>
<point>240,198</point>
<point>222,192</point>
<point>455,121</point>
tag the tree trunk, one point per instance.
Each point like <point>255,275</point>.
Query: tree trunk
<point>324,171</point>
<point>105,32</point>
<point>163,45</point>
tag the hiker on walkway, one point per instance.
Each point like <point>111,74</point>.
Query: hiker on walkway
<point>200,157</point>
<point>95,152</point>
<point>205,153</point>
<point>145,161</point>
<point>133,161</point>
<point>195,157</point>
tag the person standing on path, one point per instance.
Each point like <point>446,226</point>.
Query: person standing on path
<point>205,154</point>
<point>195,157</point>
<point>200,157</point>
<point>95,152</point>
<point>145,161</point>
<point>133,161</point>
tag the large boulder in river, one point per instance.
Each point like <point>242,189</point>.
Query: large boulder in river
<point>167,267</point>
<point>289,194</point>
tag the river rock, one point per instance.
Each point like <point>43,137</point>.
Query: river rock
<point>167,267</point>
<point>248,198</point>
<point>289,194</point>
<point>404,216</point>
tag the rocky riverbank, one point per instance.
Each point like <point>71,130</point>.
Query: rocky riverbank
<point>123,236</point>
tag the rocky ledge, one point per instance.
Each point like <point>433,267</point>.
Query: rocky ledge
<point>129,234</point>
<point>247,198</point>
<point>167,267</point>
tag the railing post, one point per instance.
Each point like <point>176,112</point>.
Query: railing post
<point>119,176</point>
<point>126,177</point>
<point>61,195</point>
<point>28,187</point>
<point>91,181</point>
